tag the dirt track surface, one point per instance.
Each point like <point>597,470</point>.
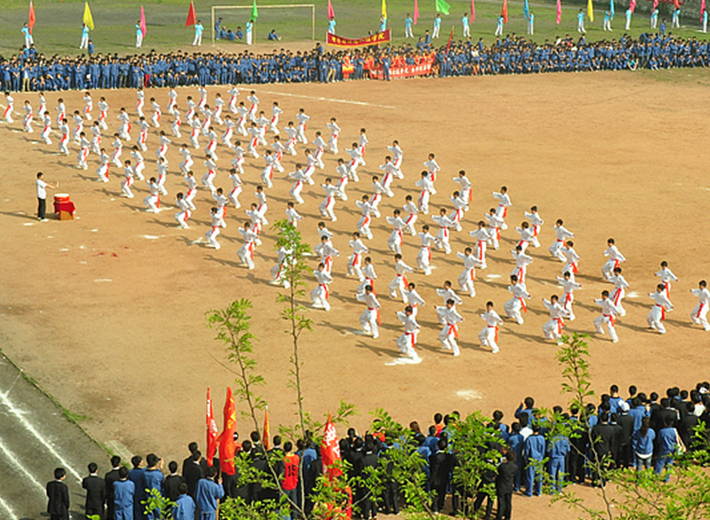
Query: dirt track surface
<point>107,311</point>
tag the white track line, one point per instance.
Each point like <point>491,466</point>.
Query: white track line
<point>4,505</point>
<point>31,429</point>
<point>20,467</point>
<point>333,100</point>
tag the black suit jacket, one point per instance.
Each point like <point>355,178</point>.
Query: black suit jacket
<point>506,478</point>
<point>192,472</point>
<point>58,494</point>
<point>170,486</point>
<point>95,494</point>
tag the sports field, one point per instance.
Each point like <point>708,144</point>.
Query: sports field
<point>58,27</point>
<point>107,311</point>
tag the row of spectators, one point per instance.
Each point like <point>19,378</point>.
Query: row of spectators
<point>31,70</point>
<point>636,431</point>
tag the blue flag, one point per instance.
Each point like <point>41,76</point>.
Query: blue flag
<point>611,9</point>
<point>526,9</point>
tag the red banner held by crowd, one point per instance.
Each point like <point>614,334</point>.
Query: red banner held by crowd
<point>374,39</point>
<point>405,71</point>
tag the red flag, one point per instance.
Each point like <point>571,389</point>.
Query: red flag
<point>473,10</point>
<point>266,433</point>
<point>330,451</point>
<point>702,10</point>
<point>212,440</point>
<point>451,38</point>
<point>504,11</point>
<point>416,11</point>
<point>191,15</point>
<point>655,4</point>
<point>143,26</point>
<point>33,19</point>
<point>331,11</point>
<point>677,4</point>
<point>559,11</point>
<point>632,5</point>
<point>227,446</point>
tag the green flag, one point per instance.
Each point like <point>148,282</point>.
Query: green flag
<point>442,6</point>
<point>254,12</point>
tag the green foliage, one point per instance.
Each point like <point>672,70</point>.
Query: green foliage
<point>239,509</point>
<point>233,325</point>
<point>159,505</point>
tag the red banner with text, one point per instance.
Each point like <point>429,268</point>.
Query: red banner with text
<point>405,71</point>
<point>374,39</point>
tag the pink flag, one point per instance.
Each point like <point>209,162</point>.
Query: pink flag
<point>331,12</point>
<point>702,10</point>
<point>416,11</point>
<point>559,11</point>
<point>632,5</point>
<point>655,4</point>
<point>143,28</point>
<point>473,10</point>
<point>330,451</point>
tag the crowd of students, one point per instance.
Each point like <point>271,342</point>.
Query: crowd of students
<point>33,71</point>
<point>637,431</point>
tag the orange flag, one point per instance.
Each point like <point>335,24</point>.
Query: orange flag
<point>266,434</point>
<point>212,440</point>
<point>33,18</point>
<point>227,446</point>
<point>504,11</point>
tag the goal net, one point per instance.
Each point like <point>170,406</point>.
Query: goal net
<point>292,22</point>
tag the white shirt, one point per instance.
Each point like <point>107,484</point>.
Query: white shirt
<point>410,323</point>
<point>491,318</point>
<point>41,189</point>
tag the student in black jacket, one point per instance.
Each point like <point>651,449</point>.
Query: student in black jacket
<point>109,479</point>
<point>95,492</point>
<point>58,495</point>
<point>172,482</point>
<point>505,481</point>
<point>440,470</point>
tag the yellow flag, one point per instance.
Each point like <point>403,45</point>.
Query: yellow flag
<point>590,10</point>
<point>88,19</point>
<point>384,8</point>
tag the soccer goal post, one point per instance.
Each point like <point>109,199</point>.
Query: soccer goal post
<point>302,7</point>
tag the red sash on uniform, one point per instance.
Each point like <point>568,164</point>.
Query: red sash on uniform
<point>612,319</point>
<point>325,287</point>
<point>522,302</point>
<point>496,332</point>
<point>560,324</point>
<point>700,308</point>
<point>453,329</point>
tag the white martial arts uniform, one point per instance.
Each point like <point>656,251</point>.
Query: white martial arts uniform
<point>657,315</point>
<point>468,275</point>
<point>371,317</point>
<point>517,302</point>
<point>355,262</point>
<point>615,258</point>
<point>700,311</point>
<point>407,341</point>
<point>569,286</point>
<point>450,331</point>
<point>608,317</point>
<point>319,295</point>
<point>400,282</point>
<point>489,334</point>
<point>562,236</point>
<point>424,255</point>
<point>553,328</point>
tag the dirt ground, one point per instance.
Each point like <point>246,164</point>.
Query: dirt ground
<point>107,312</point>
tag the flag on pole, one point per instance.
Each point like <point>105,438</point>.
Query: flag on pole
<point>212,440</point>
<point>33,19</point>
<point>448,44</point>
<point>143,26</point>
<point>655,4</point>
<point>473,10</point>
<point>384,8</point>
<point>227,446</point>
<point>88,19</point>
<point>559,11</point>
<point>330,451</point>
<point>677,4</point>
<point>702,10</point>
<point>331,11</point>
<point>191,15</point>
<point>416,11</point>
<point>254,11</point>
<point>442,6</point>
<point>266,437</point>
<point>526,9</point>
<point>611,9</point>
<point>590,10</point>
<point>504,11</point>
<point>632,5</point>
